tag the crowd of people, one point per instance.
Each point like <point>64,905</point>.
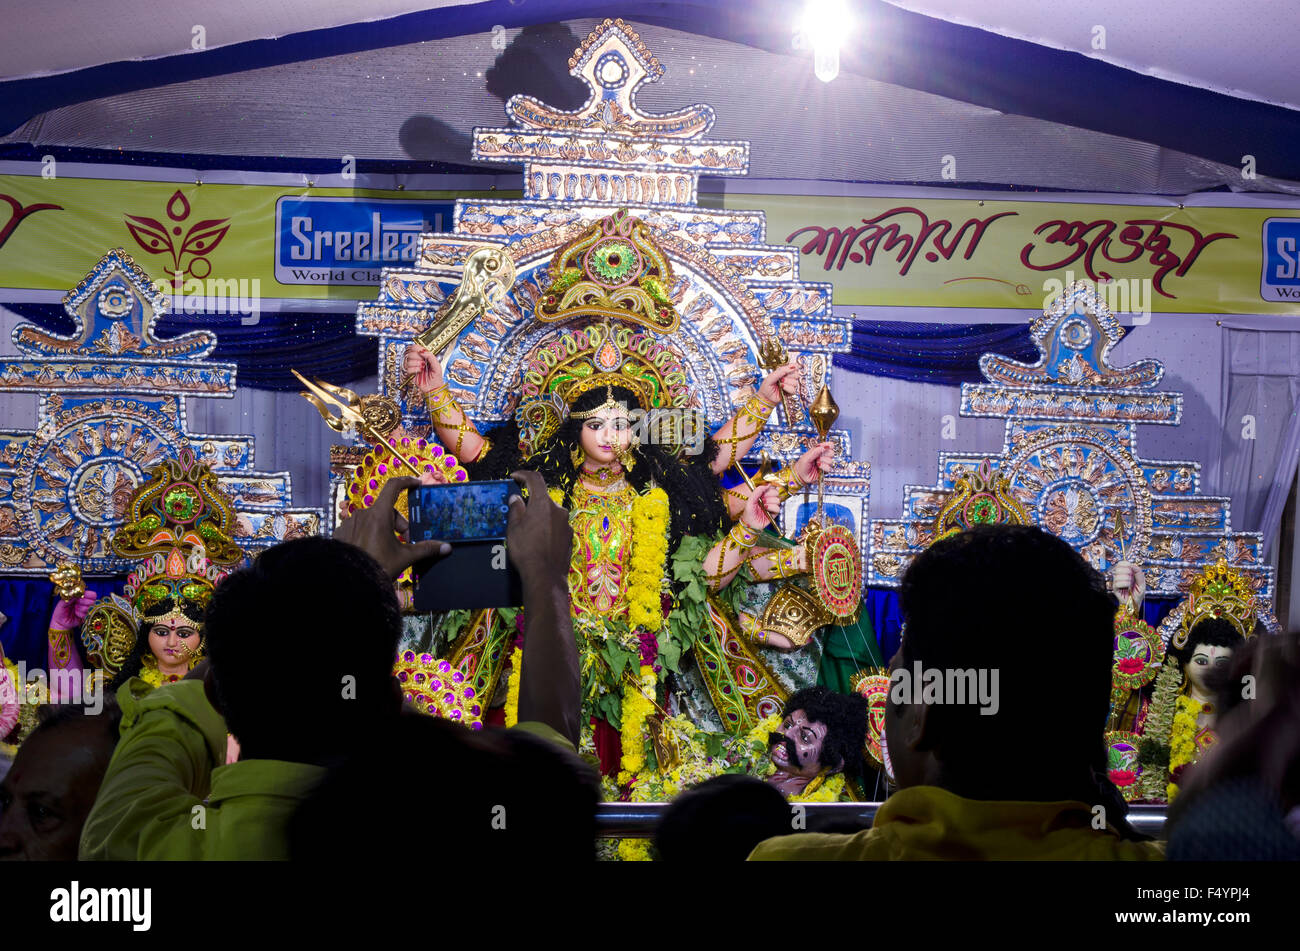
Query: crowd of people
<point>300,648</point>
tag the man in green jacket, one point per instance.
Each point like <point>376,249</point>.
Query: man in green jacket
<point>301,646</point>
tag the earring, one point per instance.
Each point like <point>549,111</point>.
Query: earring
<point>626,459</point>
<point>576,457</point>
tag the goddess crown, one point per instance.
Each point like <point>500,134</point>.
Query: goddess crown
<point>179,528</point>
<point>1219,591</point>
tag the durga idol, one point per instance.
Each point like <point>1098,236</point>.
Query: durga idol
<point>662,553</point>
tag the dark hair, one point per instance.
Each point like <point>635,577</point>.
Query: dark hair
<point>333,604</point>
<point>1020,601</point>
<point>55,716</point>
<point>1212,631</point>
<point>499,793</point>
<point>845,716</point>
<point>721,820</point>
<point>696,492</point>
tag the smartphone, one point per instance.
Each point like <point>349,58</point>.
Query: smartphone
<point>459,512</point>
<point>471,516</point>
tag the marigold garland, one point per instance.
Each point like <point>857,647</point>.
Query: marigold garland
<point>650,514</point>
<point>828,791</point>
<point>153,676</point>
<point>1182,739</point>
<point>634,850</point>
<point>637,708</point>
<point>512,686</point>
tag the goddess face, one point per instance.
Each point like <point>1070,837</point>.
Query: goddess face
<point>604,436</point>
<point>796,747</point>
<point>173,642</point>
<point>1208,661</point>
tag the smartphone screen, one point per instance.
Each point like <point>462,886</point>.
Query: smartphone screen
<point>459,512</point>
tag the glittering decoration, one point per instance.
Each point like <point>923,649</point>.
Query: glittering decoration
<point>1122,766</point>
<point>112,408</point>
<point>1069,462</point>
<point>722,290</point>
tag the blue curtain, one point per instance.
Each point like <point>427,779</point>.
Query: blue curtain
<point>946,354</point>
<point>321,345</point>
<point>28,603</point>
<point>882,607</point>
<point>327,346</point>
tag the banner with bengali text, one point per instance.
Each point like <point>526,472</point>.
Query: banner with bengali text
<point>1215,254</point>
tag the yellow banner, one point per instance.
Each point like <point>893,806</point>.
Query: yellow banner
<point>978,252</point>
<point>1000,253</point>
<point>296,242</point>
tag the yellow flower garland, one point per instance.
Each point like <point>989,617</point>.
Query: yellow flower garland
<point>764,729</point>
<point>1182,739</point>
<point>512,687</point>
<point>634,850</point>
<point>650,514</point>
<point>828,791</point>
<point>637,708</point>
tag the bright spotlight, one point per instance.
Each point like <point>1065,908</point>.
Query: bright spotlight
<point>825,25</point>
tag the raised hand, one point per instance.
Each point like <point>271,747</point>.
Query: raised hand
<point>423,365</point>
<point>818,459</point>
<point>1129,579</point>
<point>375,531</point>
<point>784,379</point>
<point>538,537</point>
<point>764,502</point>
<point>68,615</point>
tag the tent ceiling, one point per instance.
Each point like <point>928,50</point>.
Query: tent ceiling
<point>1244,48</point>
<point>1013,103</point>
<point>422,101</point>
<point>56,39</point>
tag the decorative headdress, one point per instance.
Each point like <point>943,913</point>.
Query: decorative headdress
<point>179,526</point>
<point>1219,591</point>
<point>982,497</point>
<point>614,269</point>
<point>598,356</point>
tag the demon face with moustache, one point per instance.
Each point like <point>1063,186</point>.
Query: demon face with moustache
<point>821,732</point>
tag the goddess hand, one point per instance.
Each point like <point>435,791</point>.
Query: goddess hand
<point>819,458</point>
<point>68,615</point>
<point>763,503</point>
<point>1128,577</point>
<point>783,379</point>
<point>424,366</point>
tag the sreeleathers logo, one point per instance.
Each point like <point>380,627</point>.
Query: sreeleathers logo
<point>1280,263</point>
<point>349,240</point>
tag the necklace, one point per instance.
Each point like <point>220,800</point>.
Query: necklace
<point>605,475</point>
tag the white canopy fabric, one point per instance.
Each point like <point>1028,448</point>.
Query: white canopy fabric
<point>421,101</point>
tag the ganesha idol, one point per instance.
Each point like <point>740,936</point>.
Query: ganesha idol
<point>669,568</point>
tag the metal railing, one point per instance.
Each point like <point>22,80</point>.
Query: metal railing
<point>637,820</point>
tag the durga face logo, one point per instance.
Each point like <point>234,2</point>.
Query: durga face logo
<point>194,242</point>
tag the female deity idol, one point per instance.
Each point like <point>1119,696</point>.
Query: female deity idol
<point>661,551</point>
<point>1179,724</point>
<point>178,527</point>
